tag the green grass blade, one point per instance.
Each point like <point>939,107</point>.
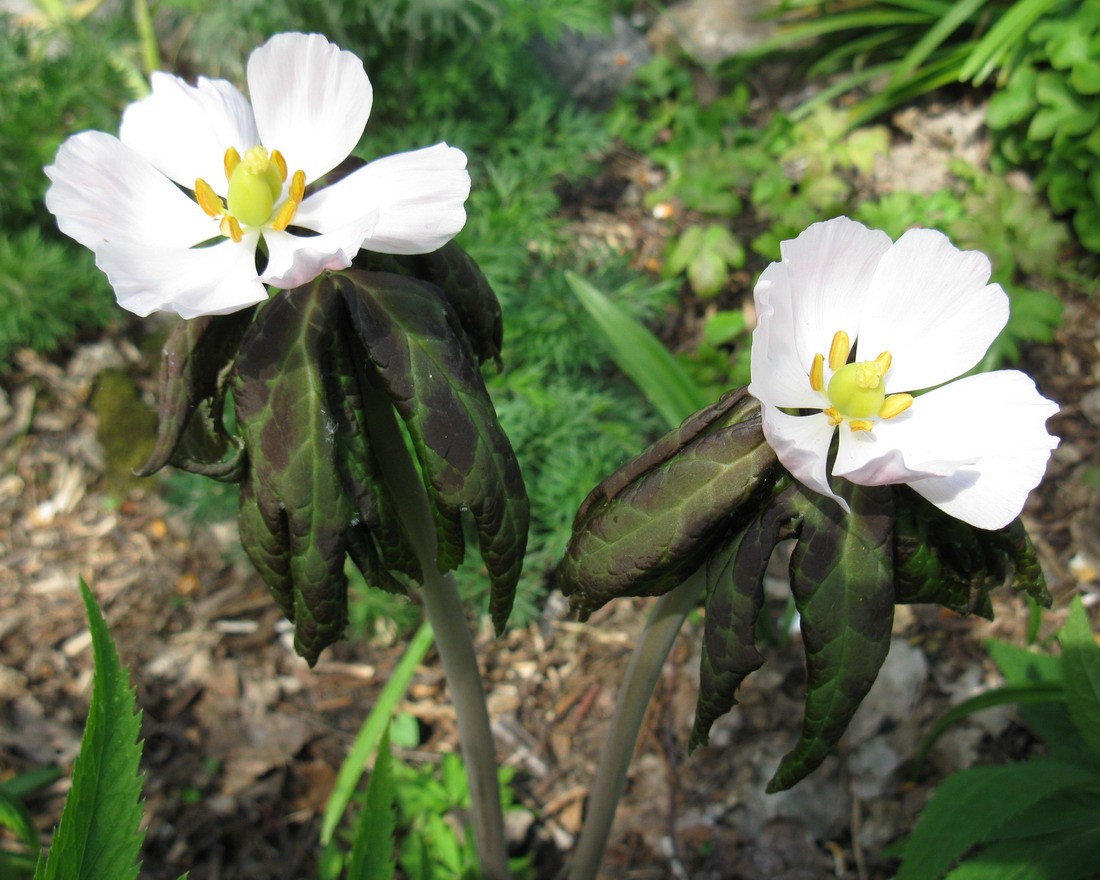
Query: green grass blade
<point>33,780</point>
<point>1010,28</point>
<point>641,356</point>
<point>371,731</point>
<point>934,38</point>
<point>372,851</point>
<point>98,836</point>
<point>14,816</point>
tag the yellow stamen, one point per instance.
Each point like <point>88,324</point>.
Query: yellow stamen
<point>895,405</point>
<point>231,161</point>
<point>231,228</point>
<point>297,186</point>
<point>838,351</point>
<point>280,163</point>
<point>860,424</point>
<point>884,361</point>
<point>208,199</point>
<point>285,215</point>
<point>834,416</point>
<point>817,373</point>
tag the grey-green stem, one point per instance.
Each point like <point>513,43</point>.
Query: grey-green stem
<point>455,644</point>
<point>646,662</point>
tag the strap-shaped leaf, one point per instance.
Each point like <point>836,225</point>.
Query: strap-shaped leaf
<point>295,511</point>
<point>842,581</point>
<point>735,594</point>
<point>432,377</point>
<point>652,523</point>
<point>190,398</point>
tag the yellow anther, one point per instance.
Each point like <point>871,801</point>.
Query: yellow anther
<point>285,216</point>
<point>280,163</point>
<point>861,424</point>
<point>817,373</point>
<point>884,360</point>
<point>208,200</point>
<point>297,186</point>
<point>231,161</point>
<point>834,416</point>
<point>230,228</point>
<point>838,351</point>
<point>895,405</point>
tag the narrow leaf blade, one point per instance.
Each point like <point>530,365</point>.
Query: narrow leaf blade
<point>1081,663</point>
<point>372,850</point>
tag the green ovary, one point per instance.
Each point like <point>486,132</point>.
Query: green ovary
<point>254,187</point>
<point>857,390</point>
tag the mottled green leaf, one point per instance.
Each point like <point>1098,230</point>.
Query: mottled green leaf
<point>735,593</point>
<point>190,398</point>
<point>295,511</point>
<point>99,834</point>
<point>415,341</point>
<point>653,522</point>
<point>842,581</point>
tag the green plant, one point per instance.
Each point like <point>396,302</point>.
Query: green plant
<point>1039,817</point>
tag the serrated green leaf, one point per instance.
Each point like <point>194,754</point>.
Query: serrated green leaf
<point>193,358</point>
<point>653,522</point>
<point>372,850</point>
<point>1081,666</point>
<point>98,836</point>
<point>432,379</point>
<point>842,581</point>
<point>14,816</point>
<point>735,593</point>
<point>969,807</point>
<point>295,511</point>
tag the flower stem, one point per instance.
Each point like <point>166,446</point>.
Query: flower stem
<point>646,662</point>
<point>452,637</point>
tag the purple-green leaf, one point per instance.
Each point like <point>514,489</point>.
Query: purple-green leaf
<point>842,580</point>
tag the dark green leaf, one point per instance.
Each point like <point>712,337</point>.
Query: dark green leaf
<point>655,520</point>
<point>735,594</point>
<point>295,511</point>
<point>14,817</point>
<point>431,375</point>
<point>193,358</point>
<point>969,808</point>
<point>1057,856</point>
<point>372,850</point>
<point>1081,665</point>
<point>842,581</point>
<point>98,836</point>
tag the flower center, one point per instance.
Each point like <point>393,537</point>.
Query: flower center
<point>255,187</point>
<point>856,392</point>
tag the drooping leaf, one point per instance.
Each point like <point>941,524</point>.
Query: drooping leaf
<point>98,835</point>
<point>372,848</point>
<point>189,405</point>
<point>15,817</point>
<point>735,594</point>
<point>970,806</point>
<point>1062,855</point>
<point>1081,665</point>
<point>653,522</point>
<point>415,342</point>
<point>295,511</point>
<point>842,581</point>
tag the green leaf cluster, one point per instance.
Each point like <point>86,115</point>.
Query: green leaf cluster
<point>319,377</point>
<point>1039,817</point>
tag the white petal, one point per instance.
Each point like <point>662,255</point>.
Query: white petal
<point>103,191</point>
<point>311,100</point>
<point>419,198</point>
<point>991,425</point>
<point>830,266</point>
<point>185,130</point>
<point>931,308</point>
<point>294,260</point>
<point>802,446</point>
<point>780,372</point>
<point>212,280</point>
<point>901,450</point>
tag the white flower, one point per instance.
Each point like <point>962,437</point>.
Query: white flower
<point>920,313</point>
<point>175,207</point>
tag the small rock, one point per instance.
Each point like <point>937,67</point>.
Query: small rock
<point>710,31</point>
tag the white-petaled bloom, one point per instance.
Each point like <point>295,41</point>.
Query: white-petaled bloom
<point>919,313</point>
<point>175,207</point>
